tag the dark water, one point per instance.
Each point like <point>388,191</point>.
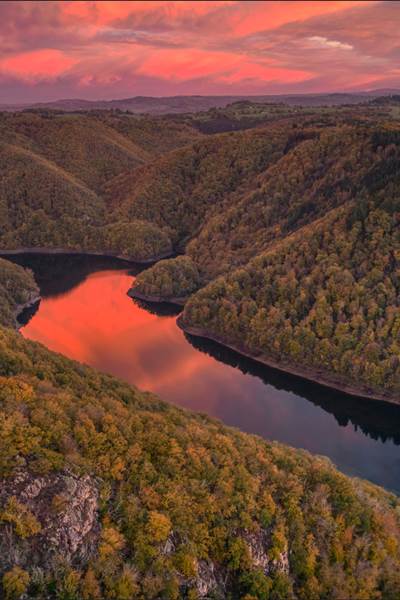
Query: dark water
<point>86,314</point>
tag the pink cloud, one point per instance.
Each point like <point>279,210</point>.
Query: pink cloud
<point>37,64</point>
<point>111,49</point>
<point>261,16</point>
<point>264,73</point>
<point>224,67</point>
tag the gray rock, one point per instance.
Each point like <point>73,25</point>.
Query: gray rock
<point>65,505</point>
<point>258,544</point>
<point>209,580</point>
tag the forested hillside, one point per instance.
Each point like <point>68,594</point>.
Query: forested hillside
<point>17,289</point>
<point>53,168</point>
<point>328,299</point>
<point>290,235</point>
<point>269,182</point>
<point>184,188</point>
<point>246,114</point>
<point>147,188</point>
<point>327,209</point>
<point>107,492</point>
<point>319,171</point>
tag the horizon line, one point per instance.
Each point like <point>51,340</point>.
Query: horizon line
<point>327,93</point>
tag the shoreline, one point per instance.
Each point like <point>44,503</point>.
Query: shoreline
<point>132,293</point>
<point>306,373</point>
<point>46,250</point>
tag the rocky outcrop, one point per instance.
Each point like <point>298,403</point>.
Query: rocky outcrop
<point>47,518</point>
<point>212,580</point>
<point>258,545</point>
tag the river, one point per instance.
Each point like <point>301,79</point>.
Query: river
<point>85,314</point>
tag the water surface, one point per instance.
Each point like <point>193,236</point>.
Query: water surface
<point>86,314</point>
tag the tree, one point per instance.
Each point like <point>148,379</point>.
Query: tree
<point>15,583</point>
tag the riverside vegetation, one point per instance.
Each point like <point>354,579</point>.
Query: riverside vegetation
<point>290,235</point>
<point>17,290</point>
<point>148,187</point>
<point>301,255</point>
<point>108,492</point>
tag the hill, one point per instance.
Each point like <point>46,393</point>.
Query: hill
<point>223,200</point>
<point>53,168</point>
<point>187,104</point>
<point>265,178</point>
<point>316,179</point>
<point>323,304</point>
<point>107,492</point>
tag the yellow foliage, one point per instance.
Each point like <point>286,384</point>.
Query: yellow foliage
<point>90,588</point>
<point>15,583</point>
<point>111,542</point>
<point>25,523</point>
<point>125,586</point>
<point>158,526</point>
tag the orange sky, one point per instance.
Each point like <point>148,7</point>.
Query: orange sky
<point>117,49</point>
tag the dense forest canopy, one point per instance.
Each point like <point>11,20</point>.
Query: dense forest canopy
<point>174,278</point>
<point>327,298</point>
<point>286,222</point>
<point>327,209</point>
<point>53,169</point>
<point>137,499</point>
<point>147,188</point>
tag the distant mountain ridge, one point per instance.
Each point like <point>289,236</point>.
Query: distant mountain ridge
<point>195,103</point>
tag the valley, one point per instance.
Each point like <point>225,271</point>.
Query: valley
<point>111,476</point>
<point>228,211</point>
<point>88,316</point>
<point>276,229</point>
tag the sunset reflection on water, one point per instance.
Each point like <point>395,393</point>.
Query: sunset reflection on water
<point>97,323</point>
<point>93,320</point>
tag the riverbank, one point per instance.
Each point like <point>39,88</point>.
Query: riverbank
<point>314,375</point>
<point>132,293</point>
<point>46,250</point>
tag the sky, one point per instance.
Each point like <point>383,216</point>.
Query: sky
<point>105,50</point>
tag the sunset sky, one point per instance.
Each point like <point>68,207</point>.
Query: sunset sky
<point>104,50</point>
